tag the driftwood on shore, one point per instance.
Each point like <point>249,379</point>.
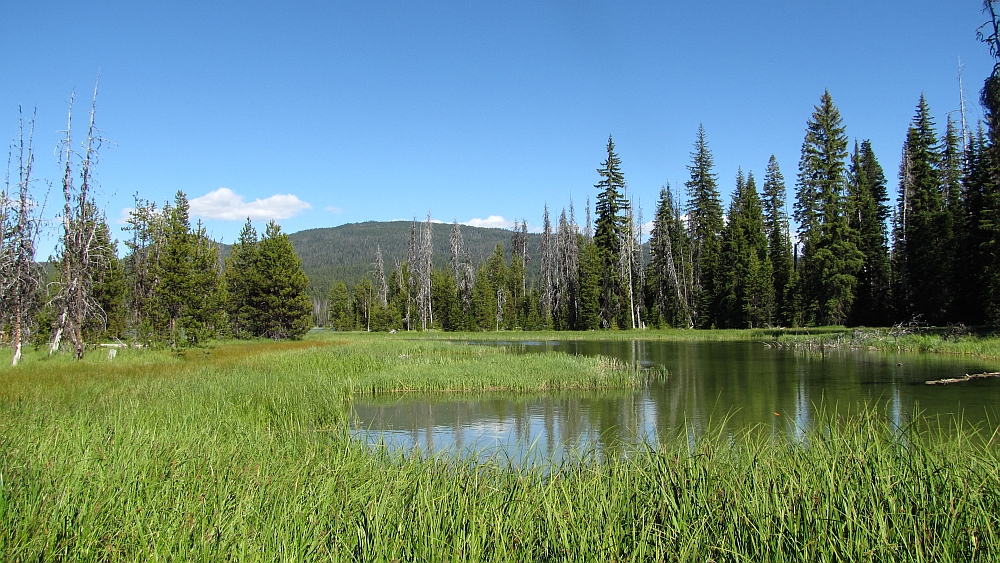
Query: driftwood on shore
<point>967,377</point>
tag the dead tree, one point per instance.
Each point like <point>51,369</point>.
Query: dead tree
<point>424,270</point>
<point>20,275</point>
<point>461,268</point>
<point>381,287</point>
<point>411,280</point>
<point>79,218</point>
<point>547,267</point>
<point>567,263</point>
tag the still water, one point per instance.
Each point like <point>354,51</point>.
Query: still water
<point>708,384</point>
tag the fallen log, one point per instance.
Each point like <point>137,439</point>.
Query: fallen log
<point>967,377</point>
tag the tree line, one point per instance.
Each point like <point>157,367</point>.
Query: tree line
<point>170,288</point>
<point>854,258</point>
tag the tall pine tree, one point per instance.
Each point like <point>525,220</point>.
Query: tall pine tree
<point>779,244</point>
<point>830,257</point>
<point>704,211</point>
<point>869,210</point>
<point>608,238</point>
<point>924,255</point>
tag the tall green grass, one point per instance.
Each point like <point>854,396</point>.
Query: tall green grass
<point>245,454</point>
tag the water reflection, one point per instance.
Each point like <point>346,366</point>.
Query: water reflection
<point>734,384</point>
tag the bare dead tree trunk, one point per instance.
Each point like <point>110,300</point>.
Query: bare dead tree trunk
<point>411,274</point>
<point>20,276</point>
<point>381,286</point>
<point>548,264</point>
<point>79,231</point>
<point>424,296</point>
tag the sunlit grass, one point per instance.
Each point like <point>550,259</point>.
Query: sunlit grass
<point>244,453</point>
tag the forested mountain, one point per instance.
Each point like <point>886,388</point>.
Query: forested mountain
<point>347,252</point>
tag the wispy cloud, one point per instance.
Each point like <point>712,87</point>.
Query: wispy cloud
<point>227,205</point>
<point>334,210</point>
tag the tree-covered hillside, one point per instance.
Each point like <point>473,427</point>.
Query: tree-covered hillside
<point>347,252</point>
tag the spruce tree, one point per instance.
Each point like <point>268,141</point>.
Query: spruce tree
<point>952,173</point>
<point>830,256</point>
<point>989,171</point>
<point>110,286</point>
<point>746,298</point>
<point>175,272</point>
<point>668,292</point>
<point>705,219</point>
<point>590,287</point>
<point>869,210</point>
<point>204,312</point>
<point>283,288</point>
<point>779,245</point>
<point>608,237</point>
<point>242,284</point>
<point>339,307</point>
<point>926,223</point>
<point>970,260</point>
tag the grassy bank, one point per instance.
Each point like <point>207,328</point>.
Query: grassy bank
<point>243,453</point>
<point>948,340</point>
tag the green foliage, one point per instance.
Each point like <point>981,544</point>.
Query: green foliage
<point>283,287</point>
<point>923,255</point>
<point>779,244</point>
<point>253,460</point>
<point>590,283</point>
<point>830,257</point>
<point>186,297</point>
<point>668,279</point>
<point>868,212</point>
<point>705,219</point>
<point>339,307</point>
<point>608,235</point>
<point>242,282</point>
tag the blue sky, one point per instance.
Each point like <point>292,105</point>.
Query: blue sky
<point>387,110</point>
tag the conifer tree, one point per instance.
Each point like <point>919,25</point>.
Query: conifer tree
<point>608,238</point>
<point>989,175</point>
<point>109,287</point>
<point>444,296</point>
<point>175,272</point>
<point>669,292</point>
<point>590,287</point>
<point>926,227</point>
<point>779,245</point>
<point>339,307</point>
<point>747,299</point>
<point>830,257</point>
<point>970,271</point>
<point>241,271</point>
<point>705,225</point>
<point>868,213</point>
<point>283,288</point>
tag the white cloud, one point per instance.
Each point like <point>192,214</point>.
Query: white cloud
<point>124,216</point>
<point>334,210</point>
<point>225,204</point>
<point>493,221</point>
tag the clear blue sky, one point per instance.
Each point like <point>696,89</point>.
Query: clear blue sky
<point>386,110</point>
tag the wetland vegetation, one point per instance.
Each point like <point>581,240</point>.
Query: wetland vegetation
<point>244,451</point>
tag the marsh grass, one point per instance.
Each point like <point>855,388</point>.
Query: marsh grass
<point>244,453</point>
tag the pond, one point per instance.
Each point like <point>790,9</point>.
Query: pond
<point>708,385</point>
